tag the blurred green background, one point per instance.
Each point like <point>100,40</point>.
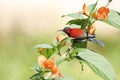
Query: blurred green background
<point>25,23</point>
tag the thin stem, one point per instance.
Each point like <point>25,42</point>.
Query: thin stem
<point>59,51</point>
<point>67,52</point>
<point>108,2</point>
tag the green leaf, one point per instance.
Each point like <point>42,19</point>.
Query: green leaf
<point>97,63</point>
<point>113,19</point>
<point>59,61</point>
<point>92,7</point>
<point>47,53</point>
<point>38,73</point>
<point>67,39</point>
<point>43,46</point>
<point>36,68</point>
<point>82,22</point>
<point>55,42</point>
<point>74,26</point>
<point>34,76</point>
<point>76,15</point>
<point>79,43</point>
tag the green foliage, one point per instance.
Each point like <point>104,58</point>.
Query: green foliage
<point>43,46</point>
<point>38,73</point>
<point>67,39</point>
<point>113,19</point>
<point>55,43</point>
<point>74,26</point>
<point>76,15</point>
<point>77,47</point>
<point>36,68</point>
<point>92,8</point>
<point>97,63</point>
<point>79,44</point>
<point>82,22</point>
<point>36,76</point>
<point>47,51</point>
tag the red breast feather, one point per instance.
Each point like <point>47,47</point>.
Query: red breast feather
<point>75,33</point>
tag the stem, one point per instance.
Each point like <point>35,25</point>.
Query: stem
<point>59,51</point>
<point>66,52</point>
<point>108,2</point>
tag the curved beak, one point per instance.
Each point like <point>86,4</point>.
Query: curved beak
<point>60,30</point>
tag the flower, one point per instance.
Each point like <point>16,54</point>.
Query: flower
<point>85,10</point>
<point>59,38</point>
<point>41,60</point>
<point>91,29</point>
<point>55,71</point>
<point>102,13</point>
<point>96,15</point>
<point>40,50</point>
<point>49,64</point>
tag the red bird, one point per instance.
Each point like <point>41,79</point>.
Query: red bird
<point>81,35</point>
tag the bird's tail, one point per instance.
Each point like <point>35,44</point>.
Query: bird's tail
<point>94,40</point>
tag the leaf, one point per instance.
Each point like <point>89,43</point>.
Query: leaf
<point>59,61</point>
<point>47,53</point>
<point>36,68</point>
<point>74,26</point>
<point>55,42</point>
<point>97,63</point>
<point>67,39</point>
<point>75,15</point>
<point>34,76</point>
<point>79,43</point>
<point>113,19</point>
<point>43,46</point>
<point>82,22</point>
<point>92,7</point>
<point>47,49</point>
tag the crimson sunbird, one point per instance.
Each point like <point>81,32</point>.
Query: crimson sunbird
<point>81,35</point>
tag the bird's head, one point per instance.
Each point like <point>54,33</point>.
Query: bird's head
<point>66,30</point>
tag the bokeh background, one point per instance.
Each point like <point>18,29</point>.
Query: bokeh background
<point>25,23</point>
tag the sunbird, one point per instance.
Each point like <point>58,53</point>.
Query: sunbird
<point>81,35</point>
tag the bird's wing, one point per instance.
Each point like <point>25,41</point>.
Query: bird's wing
<point>94,40</point>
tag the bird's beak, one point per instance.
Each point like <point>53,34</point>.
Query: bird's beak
<point>60,30</point>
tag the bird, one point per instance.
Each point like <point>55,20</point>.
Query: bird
<point>81,35</point>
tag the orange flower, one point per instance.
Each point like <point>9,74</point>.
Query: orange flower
<point>40,50</point>
<point>43,62</point>
<point>59,38</point>
<point>102,13</point>
<point>55,71</point>
<point>96,15</point>
<point>91,29</point>
<point>48,64</point>
<point>85,10</point>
